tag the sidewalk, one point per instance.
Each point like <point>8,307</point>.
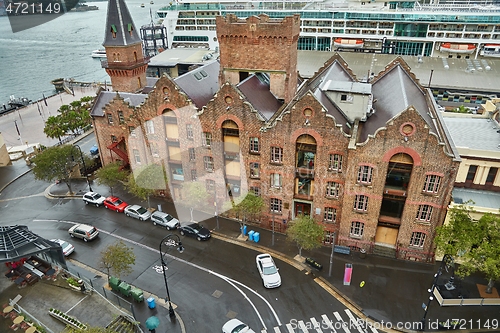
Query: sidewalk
<point>394,290</point>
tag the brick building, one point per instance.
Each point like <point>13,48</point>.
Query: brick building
<point>371,161</point>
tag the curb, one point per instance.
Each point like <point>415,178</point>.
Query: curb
<point>13,180</point>
<point>147,294</point>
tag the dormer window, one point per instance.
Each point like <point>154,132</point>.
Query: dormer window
<point>113,30</point>
<point>130,28</point>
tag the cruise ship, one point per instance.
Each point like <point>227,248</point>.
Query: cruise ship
<point>429,28</point>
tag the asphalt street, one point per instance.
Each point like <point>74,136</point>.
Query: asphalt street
<point>201,279</point>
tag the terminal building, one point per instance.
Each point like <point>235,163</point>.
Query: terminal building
<point>370,159</point>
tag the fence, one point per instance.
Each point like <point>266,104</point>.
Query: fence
<point>464,301</point>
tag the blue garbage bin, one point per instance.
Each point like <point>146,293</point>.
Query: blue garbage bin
<point>244,230</point>
<point>256,237</point>
<point>250,235</point>
<point>151,302</point>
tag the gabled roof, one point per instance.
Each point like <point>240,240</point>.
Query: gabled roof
<point>105,97</point>
<point>394,90</point>
<point>256,90</point>
<point>200,84</point>
<point>17,242</point>
<point>120,28</point>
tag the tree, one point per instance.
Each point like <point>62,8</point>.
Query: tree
<point>249,206</point>
<point>306,233</point>
<point>56,163</point>
<point>194,195</point>
<point>72,118</point>
<point>118,259</point>
<point>111,174</point>
<point>476,243</point>
<point>53,128</point>
<point>143,182</point>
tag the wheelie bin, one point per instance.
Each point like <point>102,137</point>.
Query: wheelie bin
<point>137,294</point>
<point>125,288</point>
<point>114,282</point>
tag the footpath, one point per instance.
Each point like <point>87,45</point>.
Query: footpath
<point>393,292</point>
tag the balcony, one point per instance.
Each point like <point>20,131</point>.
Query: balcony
<point>304,172</point>
<point>394,191</point>
<point>392,220</point>
<point>124,64</point>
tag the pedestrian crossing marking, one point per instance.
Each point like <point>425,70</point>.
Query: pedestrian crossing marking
<point>316,325</point>
<point>328,322</point>
<point>340,320</point>
<point>354,321</point>
<point>326,325</point>
<point>303,326</point>
<point>289,328</point>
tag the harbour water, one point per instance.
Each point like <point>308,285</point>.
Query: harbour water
<point>30,59</point>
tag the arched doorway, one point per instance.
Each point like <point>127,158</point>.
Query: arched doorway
<point>394,199</point>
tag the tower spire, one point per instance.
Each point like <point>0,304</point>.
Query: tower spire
<point>125,64</point>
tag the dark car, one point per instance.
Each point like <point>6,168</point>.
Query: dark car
<point>195,230</point>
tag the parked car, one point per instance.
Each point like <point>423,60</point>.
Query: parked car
<point>93,198</point>
<point>236,326</point>
<point>67,248</point>
<point>83,231</point>
<point>94,150</point>
<point>114,203</point>
<point>137,212</point>
<point>268,271</point>
<point>165,220</point>
<point>195,230</point>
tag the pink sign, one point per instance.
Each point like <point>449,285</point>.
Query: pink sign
<point>347,274</point>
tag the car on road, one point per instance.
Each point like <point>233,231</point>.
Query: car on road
<point>115,203</point>
<point>236,326</point>
<point>268,271</point>
<point>93,198</point>
<point>67,248</point>
<point>83,231</point>
<point>165,220</point>
<point>137,212</point>
<point>195,230</point>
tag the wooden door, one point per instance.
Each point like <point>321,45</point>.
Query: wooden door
<point>386,235</point>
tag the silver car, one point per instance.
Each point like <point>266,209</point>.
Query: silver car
<point>137,212</point>
<point>165,220</point>
<point>83,231</point>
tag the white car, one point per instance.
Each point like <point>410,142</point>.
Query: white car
<point>93,198</point>
<point>268,271</point>
<point>165,220</point>
<point>67,248</point>
<point>137,212</point>
<point>236,326</point>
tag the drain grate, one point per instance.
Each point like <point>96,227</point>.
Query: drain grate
<point>231,314</point>
<point>217,294</point>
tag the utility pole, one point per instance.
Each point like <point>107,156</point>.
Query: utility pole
<point>331,255</point>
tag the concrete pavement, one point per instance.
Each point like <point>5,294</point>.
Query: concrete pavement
<point>394,290</point>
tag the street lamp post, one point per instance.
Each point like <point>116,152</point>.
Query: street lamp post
<point>447,262</point>
<point>84,167</point>
<point>169,242</point>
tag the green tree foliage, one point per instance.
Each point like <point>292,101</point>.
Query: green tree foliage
<point>476,243</point>
<point>56,163</point>
<point>251,205</point>
<point>306,233</point>
<point>53,128</point>
<point>71,118</point>
<point>143,182</point>
<point>195,196</point>
<point>117,259</point>
<point>111,175</point>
